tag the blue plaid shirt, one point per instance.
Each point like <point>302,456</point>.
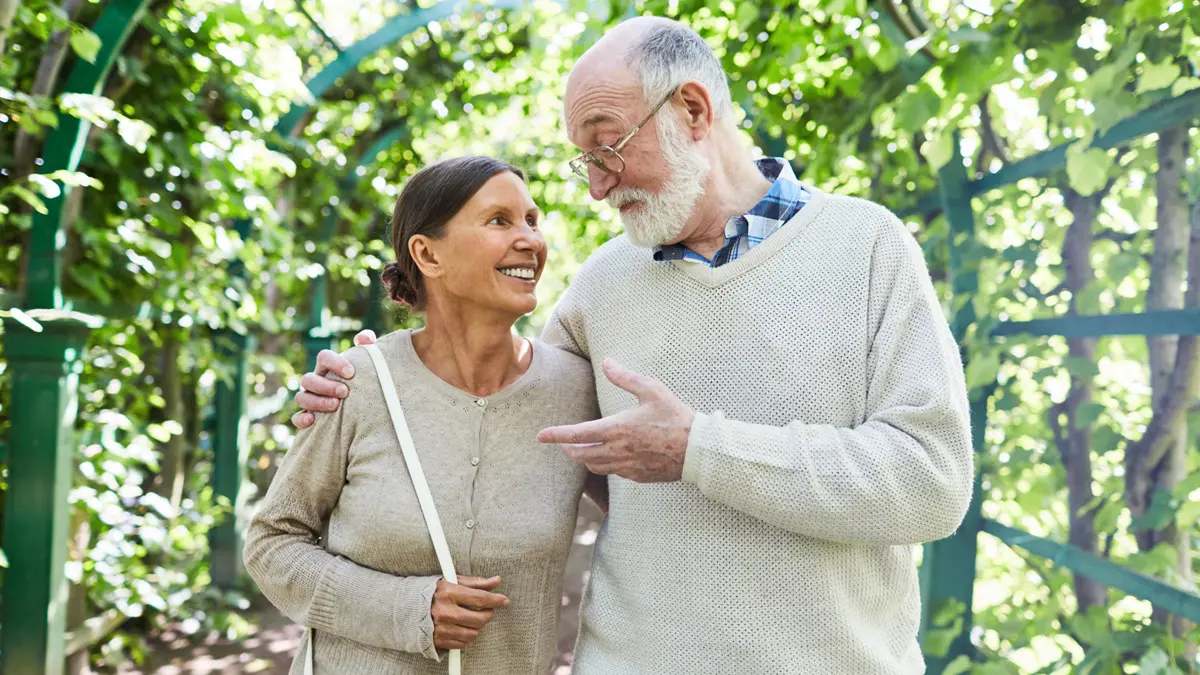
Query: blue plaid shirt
<point>746,231</point>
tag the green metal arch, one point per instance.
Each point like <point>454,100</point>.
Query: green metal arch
<point>393,31</point>
<point>63,150</point>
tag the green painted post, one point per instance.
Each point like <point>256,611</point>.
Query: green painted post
<point>44,367</point>
<point>231,451</point>
<point>375,300</point>
<point>948,567</point>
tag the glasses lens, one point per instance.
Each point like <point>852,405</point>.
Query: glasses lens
<point>608,160</point>
<point>579,166</point>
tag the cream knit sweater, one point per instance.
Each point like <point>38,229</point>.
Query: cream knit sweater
<point>831,436</point>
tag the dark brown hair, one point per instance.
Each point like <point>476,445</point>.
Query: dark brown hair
<point>430,199</point>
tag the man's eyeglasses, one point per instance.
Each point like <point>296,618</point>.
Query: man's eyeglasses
<point>608,158</point>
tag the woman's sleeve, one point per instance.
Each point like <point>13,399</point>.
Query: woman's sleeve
<point>309,584</point>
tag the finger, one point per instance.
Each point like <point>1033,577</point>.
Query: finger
<point>587,453</point>
<point>488,584</point>
<point>448,644</point>
<point>333,362</point>
<point>641,386</point>
<point>323,386</point>
<point>365,337</point>
<point>468,618</point>
<point>471,597</point>
<point>303,419</point>
<point>596,431</point>
<point>313,403</point>
<point>454,633</point>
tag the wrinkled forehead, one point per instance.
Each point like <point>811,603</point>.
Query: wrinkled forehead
<point>601,97</point>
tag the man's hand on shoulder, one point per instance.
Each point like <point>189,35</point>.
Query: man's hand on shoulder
<point>320,393</point>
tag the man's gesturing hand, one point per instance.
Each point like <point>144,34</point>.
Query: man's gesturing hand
<point>645,443</point>
<point>461,610</point>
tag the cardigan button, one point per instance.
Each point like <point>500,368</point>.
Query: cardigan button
<point>474,461</point>
<point>481,402</point>
<point>470,523</point>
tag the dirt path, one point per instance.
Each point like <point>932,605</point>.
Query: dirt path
<point>270,651</point>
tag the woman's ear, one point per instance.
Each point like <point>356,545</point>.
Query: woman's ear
<point>424,254</point>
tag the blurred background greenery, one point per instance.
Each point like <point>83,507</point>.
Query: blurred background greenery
<point>864,98</point>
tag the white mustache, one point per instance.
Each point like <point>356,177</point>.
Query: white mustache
<point>623,196</point>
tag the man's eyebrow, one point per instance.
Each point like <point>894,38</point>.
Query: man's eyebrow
<point>598,118</point>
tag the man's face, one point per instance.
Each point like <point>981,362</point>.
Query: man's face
<point>664,172</point>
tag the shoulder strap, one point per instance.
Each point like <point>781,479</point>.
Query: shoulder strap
<point>424,496</point>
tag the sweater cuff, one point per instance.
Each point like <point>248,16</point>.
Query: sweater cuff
<point>702,439</point>
<point>403,623</point>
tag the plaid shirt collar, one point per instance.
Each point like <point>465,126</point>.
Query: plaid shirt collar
<point>782,201</point>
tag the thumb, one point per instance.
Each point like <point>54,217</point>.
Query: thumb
<point>480,583</point>
<point>637,384</point>
<point>364,337</point>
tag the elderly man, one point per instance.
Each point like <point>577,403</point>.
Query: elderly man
<point>785,410</point>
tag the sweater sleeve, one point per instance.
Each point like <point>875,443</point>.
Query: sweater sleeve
<point>312,586</point>
<point>565,327</point>
<point>902,476</point>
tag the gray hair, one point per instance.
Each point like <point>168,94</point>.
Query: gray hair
<point>669,54</point>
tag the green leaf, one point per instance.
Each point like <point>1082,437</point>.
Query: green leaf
<point>982,370</point>
<point>1107,516</point>
<point>86,44</point>
<point>30,199</point>
<point>1157,76</point>
<point>158,432</point>
<point>1087,301</point>
<point>1187,486</point>
<point>75,179</point>
<point>958,666</point>
<point>1087,414</point>
<point>1087,169</point>
<point>1081,367</point>
<point>1184,85</point>
<point>1188,514</point>
<point>939,149</point>
<point>1158,515</point>
<point>1122,264</point>
<point>46,186</point>
<point>1155,662</point>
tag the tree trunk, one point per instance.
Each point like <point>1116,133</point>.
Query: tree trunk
<point>25,147</point>
<point>77,602</point>
<point>8,12</point>
<point>1075,441</point>
<point>1168,353</point>
<point>171,473</point>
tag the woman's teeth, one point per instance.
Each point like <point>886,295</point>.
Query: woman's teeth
<point>518,272</point>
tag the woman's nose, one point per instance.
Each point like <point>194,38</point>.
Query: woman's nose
<point>530,240</point>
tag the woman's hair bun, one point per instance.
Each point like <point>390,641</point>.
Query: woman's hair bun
<point>398,285</point>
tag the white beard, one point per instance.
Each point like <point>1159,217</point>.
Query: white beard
<point>661,217</point>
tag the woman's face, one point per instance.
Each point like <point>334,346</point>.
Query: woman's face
<point>491,254</point>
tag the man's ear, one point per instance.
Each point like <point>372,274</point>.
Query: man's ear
<point>698,109</point>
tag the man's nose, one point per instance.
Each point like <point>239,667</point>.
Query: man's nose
<point>600,183</point>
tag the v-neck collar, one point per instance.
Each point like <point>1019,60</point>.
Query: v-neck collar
<point>715,276</point>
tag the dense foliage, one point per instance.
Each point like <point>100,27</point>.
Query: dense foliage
<point>864,98</point>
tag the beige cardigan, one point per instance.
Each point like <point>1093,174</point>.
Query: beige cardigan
<point>507,504</point>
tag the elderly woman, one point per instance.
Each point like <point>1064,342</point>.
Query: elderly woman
<point>340,544</point>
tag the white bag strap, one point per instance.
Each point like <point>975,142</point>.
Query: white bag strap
<point>424,496</point>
